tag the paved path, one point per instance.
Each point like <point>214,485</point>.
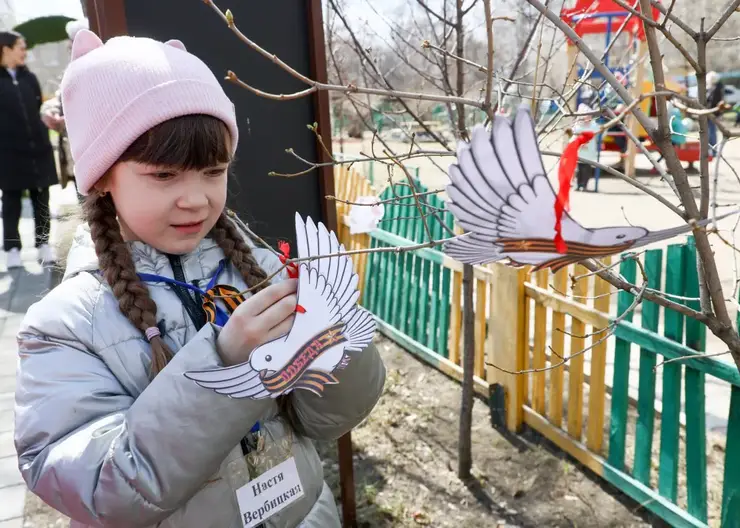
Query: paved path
<point>19,289</point>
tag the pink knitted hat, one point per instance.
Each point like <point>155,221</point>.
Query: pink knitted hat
<point>113,93</point>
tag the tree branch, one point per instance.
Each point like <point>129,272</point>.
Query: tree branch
<point>722,330</point>
<point>434,13</point>
<point>704,249</point>
<point>730,8</point>
<point>673,18</point>
<point>661,27</point>
<point>632,181</point>
<point>361,51</point>
<point>489,47</point>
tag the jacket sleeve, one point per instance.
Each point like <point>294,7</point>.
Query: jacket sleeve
<point>342,406</point>
<point>92,451</point>
<point>37,90</point>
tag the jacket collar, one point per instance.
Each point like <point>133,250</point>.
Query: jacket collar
<point>198,264</point>
<point>20,71</point>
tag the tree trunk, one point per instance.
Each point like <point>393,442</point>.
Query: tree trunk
<point>460,67</point>
<point>465,456</point>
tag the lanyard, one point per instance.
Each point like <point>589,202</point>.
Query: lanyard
<point>214,313</point>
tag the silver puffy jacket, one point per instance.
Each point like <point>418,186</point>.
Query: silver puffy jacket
<point>102,444</point>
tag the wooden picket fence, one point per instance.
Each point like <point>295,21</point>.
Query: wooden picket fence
<point>535,322</point>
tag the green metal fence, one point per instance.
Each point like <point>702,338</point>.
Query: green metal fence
<point>682,338</point>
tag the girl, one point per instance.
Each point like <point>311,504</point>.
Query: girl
<point>26,155</point>
<point>109,431</point>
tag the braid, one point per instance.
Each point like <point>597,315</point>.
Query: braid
<point>118,268</point>
<point>227,236</point>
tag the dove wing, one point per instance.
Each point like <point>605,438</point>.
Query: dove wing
<point>328,287</point>
<point>499,189</point>
<point>338,288</point>
<point>239,381</point>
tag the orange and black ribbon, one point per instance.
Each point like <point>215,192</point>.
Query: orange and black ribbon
<point>230,296</point>
<point>295,373</point>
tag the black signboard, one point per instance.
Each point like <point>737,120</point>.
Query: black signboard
<point>291,29</point>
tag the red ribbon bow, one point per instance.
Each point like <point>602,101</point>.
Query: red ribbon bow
<point>292,269</point>
<point>284,248</point>
<point>566,168</point>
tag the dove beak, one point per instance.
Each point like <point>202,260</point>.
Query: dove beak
<point>675,231</point>
<point>664,234</point>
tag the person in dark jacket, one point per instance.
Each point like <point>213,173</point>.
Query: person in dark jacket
<point>52,115</point>
<point>26,156</point>
<point>715,96</point>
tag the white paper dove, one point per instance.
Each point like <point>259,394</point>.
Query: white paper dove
<point>500,194</point>
<point>364,218</point>
<point>327,332</point>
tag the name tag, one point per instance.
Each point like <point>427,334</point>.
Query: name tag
<point>271,492</point>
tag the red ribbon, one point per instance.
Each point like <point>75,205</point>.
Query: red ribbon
<point>566,168</point>
<point>284,248</point>
<point>292,269</point>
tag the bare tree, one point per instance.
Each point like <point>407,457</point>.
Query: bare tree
<point>453,71</point>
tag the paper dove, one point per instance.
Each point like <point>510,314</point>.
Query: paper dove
<point>500,194</point>
<point>326,333</point>
<point>364,218</point>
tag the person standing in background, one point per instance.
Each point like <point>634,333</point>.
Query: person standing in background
<point>52,115</point>
<point>715,96</point>
<point>589,151</point>
<point>26,156</point>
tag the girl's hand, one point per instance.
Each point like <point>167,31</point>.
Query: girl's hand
<point>263,317</point>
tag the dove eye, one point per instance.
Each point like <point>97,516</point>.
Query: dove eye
<point>619,237</point>
<point>268,358</point>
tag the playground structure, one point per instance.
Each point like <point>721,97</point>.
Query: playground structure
<point>605,17</point>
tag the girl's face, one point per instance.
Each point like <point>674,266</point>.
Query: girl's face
<point>169,209</point>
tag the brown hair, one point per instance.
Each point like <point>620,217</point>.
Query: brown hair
<point>8,39</point>
<point>184,143</point>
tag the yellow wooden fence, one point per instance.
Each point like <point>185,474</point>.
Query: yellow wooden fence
<point>348,186</point>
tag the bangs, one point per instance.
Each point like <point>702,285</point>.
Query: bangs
<point>190,142</point>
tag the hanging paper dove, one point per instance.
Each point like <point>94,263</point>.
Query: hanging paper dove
<point>365,214</point>
<point>500,194</point>
<point>326,333</point>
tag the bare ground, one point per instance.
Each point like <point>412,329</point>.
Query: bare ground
<point>406,467</point>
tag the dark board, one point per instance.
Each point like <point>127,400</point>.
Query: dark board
<point>266,127</point>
